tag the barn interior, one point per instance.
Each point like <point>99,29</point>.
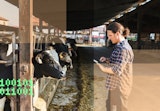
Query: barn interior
<point>141,16</point>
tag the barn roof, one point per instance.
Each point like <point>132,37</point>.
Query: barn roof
<point>149,17</point>
<point>75,15</point>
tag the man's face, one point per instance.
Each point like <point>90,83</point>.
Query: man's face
<point>112,36</point>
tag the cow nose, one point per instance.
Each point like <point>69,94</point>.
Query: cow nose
<point>68,59</point>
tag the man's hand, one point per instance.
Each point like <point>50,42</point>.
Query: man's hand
<point>102,59</point>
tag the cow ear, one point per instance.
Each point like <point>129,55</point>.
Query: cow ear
<point>38,59</point>
<point>61,55</point>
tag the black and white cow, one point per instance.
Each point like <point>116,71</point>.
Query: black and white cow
<point>45,65</point>
<point>63,51</point>
<point>72,47</point>
<point>5,73</point>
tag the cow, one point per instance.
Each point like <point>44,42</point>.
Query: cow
<point>72,47</point>
<point>5,73</point>
<point>59,44</point>
<point>45,65</point>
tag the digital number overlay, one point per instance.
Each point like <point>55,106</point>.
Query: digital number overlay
<point>16,87</point>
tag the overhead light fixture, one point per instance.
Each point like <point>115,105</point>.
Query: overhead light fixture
<point>111,20</point>
<point>118,16</point>
<point>106,23</point>
<point>144,2</point>
<point>131,9</point>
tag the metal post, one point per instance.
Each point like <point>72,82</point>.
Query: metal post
<point>139,28</point>
<point>14,66</point>
<point>90,36</point>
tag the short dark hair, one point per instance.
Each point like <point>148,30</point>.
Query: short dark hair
<point>117,27</point>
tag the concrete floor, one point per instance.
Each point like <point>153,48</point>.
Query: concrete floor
<point>146,83</point>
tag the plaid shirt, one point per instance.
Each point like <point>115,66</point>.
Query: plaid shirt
<point>121,63</point>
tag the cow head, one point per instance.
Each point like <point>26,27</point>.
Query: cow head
<point>66,58</point>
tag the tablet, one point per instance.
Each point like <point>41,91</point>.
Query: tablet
<point>95,61</point>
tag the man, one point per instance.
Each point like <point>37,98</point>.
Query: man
<point>119,68</point>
